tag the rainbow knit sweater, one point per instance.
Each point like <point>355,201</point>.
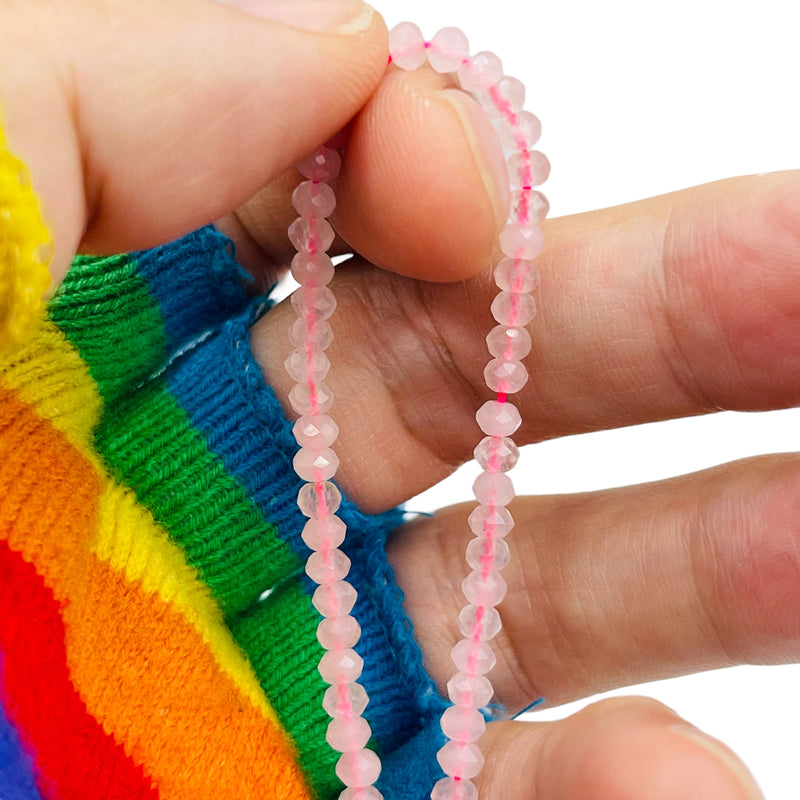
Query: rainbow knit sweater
<point>157,637</point>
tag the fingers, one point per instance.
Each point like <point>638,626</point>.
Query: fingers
<point>621,749</point>
<point>618,587</point>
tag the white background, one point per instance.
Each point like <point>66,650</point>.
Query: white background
<point>639,98</point>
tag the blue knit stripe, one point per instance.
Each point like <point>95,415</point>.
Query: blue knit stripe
<point>17,779</point>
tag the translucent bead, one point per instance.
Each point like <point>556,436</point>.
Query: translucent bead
<point>480,548</point>
<point>496,454</point>
<point>315,431</point>
<point>518,275</point>
<point>448,48</point>
<point>313,199</point>
<point>319,335</point>
<point>462,724</point>
<point>327,566</point>
<point>484,590</point>
<point>508,343</point>
<point>321,533</point>
<point>521,241</point>
<point>498,419</point>
<point>359,768</point>
<point>407,46</point>
<point>311,235</point>
<point>315,465</point>
<point>303,369</point>
<point>512,92</point>
<point>337,633</point>
<point>513,309</point>
<point>493,489</point>
<point>490,522</point>
<point>317,301</point>
<point>519,133</point>
<point>451,789</point>
<point>505,376</point>
<point>470,691</point>
<point>319,499</point>
<point>529,168</point>
<point>345,700</point>
<point>360,793</point>
<point>473,658</point>
<point>312,269</point>
<point>334,599</point>
<point>348,735</point>
<point>340,666</point>
<point>478,73</point>
<point>322,165</point>
<point>479,622</point>
<point>528,206</point>
<point>461,760</point>
<point>306,399</point>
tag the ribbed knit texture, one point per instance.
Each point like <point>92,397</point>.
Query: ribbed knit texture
<point>148,524</point>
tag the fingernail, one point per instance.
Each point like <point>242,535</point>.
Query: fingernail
<point>485,148</point>
<point>322,16</point>
<point>726,756</point>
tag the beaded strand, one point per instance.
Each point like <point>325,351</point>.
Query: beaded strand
<point>516,275</point>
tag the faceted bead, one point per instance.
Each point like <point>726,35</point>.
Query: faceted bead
<point>498,419</point>
<point>490,522</point>
<point>482,548</point>
<point>348,735</point>
<point>315,465</point>
<point>319,334</point>
<point>528,206</point>
<point>313,199</point>
<point>521,241</point>
<point>337,633</point>
<point>505,376</point>
<point>473,658</point>
<point>451,789</point>
<point>308,399</point>
<point>496,454</point>
<point>448,48</point>
<point>319,499</point>
<point>518,275</point>
<point>493,489</point>
<point>321,533</point>
<point>479,622</point>
<point>460,760</point>
<point>478,73</point>
<point>327,566</point>
<point>360,793</point>
<point>484,590</point>
<point>521,132</point>
<point>345,700</point>
<point>508,343</point>
<point>407,46</point>
<point>303,369</point>
<point>462,724</point>
<point>312,269</point>
<point>358,768</point>
<point>316,301</point>
<point>513,309</point>
<point>322,165</point>
<point>340,666</point>
<point>528,168</point>
<point>311,235</point>
<point>315,431</point>
<point>513,92</point>
<point>470,691</point>
<point>334,599</point>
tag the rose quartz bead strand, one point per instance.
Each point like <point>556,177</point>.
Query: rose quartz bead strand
<point>316,463</point>
<point>509,342</point>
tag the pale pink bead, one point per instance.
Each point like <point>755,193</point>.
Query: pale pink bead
<point>348,735</point>
<point>461,760</point>
<point>407,46</point>
<point>513,93</point>
<point>311,235</point>
<point>482,548</point>
<point>337,633</point>
<point>321,533</point>
<point>315,431</point>
<point>470,691</point>
<point>319,499</point>
<point>340,666</point>
<point>478,73</point>
<point>528,206</point>
<point>315,465</point>
<point>448,48</point>
<point>462,724</point>
<point>318,335</point>
<point>360,793</point>
<point>474,658</point>
<point>508,343</point>
<point>316,301</point>
<point>518,275</point>
<point>496,454</point>
<point>506,376</point>
<point>493,489</point>
<point>334,599</point>
<point>490,522</point>
<point>302,368</point>
<point>358,768</point>
<point>521,241</point>
<point>313,199</point>
<point>327,566</point>
<point>451,789</point>
<point>322,165</point>
<point>498,419</point>
<point>307,399</point>
<point>479,622</point>
<point>519,133</point>
<point>484,590</point>
<point>513,309</point>
<point>345,700</point>
<point>312,269</point>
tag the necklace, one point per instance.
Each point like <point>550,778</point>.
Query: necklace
<point>516,276</point>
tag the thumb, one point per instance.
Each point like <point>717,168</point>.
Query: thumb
<point>141,121</point>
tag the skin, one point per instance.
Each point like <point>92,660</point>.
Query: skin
<point>672,306</point>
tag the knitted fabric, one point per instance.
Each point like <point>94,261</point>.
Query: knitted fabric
<point>157,637</point>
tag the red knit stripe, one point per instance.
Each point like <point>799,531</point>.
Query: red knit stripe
<point>75,758</point>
